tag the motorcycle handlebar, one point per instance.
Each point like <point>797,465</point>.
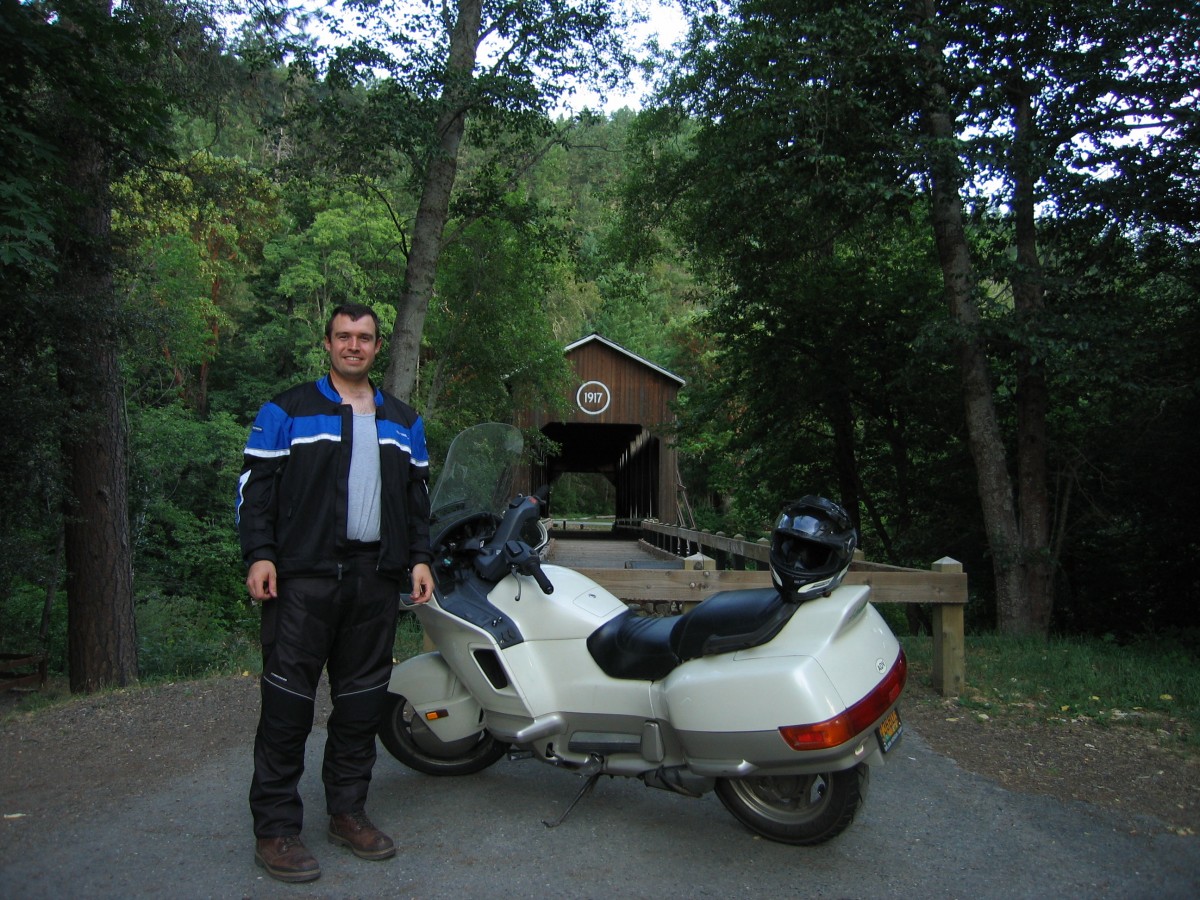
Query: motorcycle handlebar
<point>505,550</point>
<point>541,578</point>
<point>520,556</point>
<point>520,510</point>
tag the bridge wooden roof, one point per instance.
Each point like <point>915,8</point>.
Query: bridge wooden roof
<point>617,425</point>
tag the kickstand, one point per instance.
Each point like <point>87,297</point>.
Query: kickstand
<point>583,792</point>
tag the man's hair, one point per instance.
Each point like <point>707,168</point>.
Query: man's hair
<point>354,312</point>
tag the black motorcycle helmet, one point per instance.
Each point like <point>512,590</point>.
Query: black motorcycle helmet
<point>811,548</point>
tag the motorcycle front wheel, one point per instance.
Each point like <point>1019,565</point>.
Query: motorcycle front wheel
<point>795,809</point>
<point>410,740</point>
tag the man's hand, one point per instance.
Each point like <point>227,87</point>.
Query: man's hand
<point>422,581</point>
<point>261,580</point>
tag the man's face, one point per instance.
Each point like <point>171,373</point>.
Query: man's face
<point>352,346</point>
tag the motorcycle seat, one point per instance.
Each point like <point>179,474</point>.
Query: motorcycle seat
<point>729,621</point>
<point>634,646</point>
<point>648,647</point>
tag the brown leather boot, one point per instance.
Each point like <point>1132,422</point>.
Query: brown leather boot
<point>286,858</point>
<point>354,830</point>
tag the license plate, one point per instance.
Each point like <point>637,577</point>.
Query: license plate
<point>889,730</point>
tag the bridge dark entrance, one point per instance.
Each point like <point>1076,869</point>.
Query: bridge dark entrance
<point>620,409</point>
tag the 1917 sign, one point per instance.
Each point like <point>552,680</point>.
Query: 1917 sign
<point>593,397</point>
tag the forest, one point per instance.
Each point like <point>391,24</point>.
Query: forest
<point>936,260</point>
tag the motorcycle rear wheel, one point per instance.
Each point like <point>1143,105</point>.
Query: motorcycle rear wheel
<point>795,809</point>
<point>410,740</point>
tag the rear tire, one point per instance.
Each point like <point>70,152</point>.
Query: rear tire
<point>411,741</point>
<point>795,809</point>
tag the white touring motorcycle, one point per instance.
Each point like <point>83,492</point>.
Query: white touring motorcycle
<point>779,700</point>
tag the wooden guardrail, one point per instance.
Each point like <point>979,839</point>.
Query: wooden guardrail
<point>727,552</point>
<point>943,586</point>
<point>22,669</point>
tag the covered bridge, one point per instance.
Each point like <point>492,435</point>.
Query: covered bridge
<point>620,408</point>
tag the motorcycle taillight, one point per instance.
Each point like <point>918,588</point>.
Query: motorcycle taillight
<point>856,719</point>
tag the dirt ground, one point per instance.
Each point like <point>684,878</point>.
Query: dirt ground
<point>73,755</point>
<point>1136,769</point>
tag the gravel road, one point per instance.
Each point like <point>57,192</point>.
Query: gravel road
<point>143,794</point>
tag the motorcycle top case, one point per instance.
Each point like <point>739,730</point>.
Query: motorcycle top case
<point>832,653</point>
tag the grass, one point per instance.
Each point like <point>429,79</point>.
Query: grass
<point>1152,684</point>
<point>22,700</point>
<point>410,637</point>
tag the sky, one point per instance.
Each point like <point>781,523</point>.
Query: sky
<point>664,21</point>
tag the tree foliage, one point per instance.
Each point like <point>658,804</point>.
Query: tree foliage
<point>811,122</point>
<point>86,92</point>
<point>177,221</point>
<point>400,91</point>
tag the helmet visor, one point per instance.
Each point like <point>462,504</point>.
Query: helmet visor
<point>802,523</point>
<point>805,556</point>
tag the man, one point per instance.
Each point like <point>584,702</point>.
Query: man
<point>333,516</point>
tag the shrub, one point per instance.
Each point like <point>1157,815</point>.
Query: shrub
<point>183,637</point>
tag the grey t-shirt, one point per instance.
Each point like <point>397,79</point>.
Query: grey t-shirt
<point>362,511</point>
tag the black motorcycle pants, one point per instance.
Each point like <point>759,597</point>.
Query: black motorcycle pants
<point>346,625</point>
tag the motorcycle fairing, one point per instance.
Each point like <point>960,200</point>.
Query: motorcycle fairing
<point>469,601</point>
<point>742,754</point>
<point>427,682</point>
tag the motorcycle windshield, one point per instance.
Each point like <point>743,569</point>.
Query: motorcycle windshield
<point>478,473</point>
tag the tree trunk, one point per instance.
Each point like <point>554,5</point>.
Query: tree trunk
<point>984,434</point>
<point>841,419</point>
<point>101,633</point>
<point>434,208</point>
<point>1033,396</point>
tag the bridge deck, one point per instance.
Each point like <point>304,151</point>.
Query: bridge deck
<point>595,553</point>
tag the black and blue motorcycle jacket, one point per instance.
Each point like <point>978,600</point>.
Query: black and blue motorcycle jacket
<point>294,485</point>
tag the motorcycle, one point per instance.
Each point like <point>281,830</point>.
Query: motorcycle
<point>779,707</point>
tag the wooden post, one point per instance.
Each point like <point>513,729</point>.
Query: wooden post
<point>949,641</point>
